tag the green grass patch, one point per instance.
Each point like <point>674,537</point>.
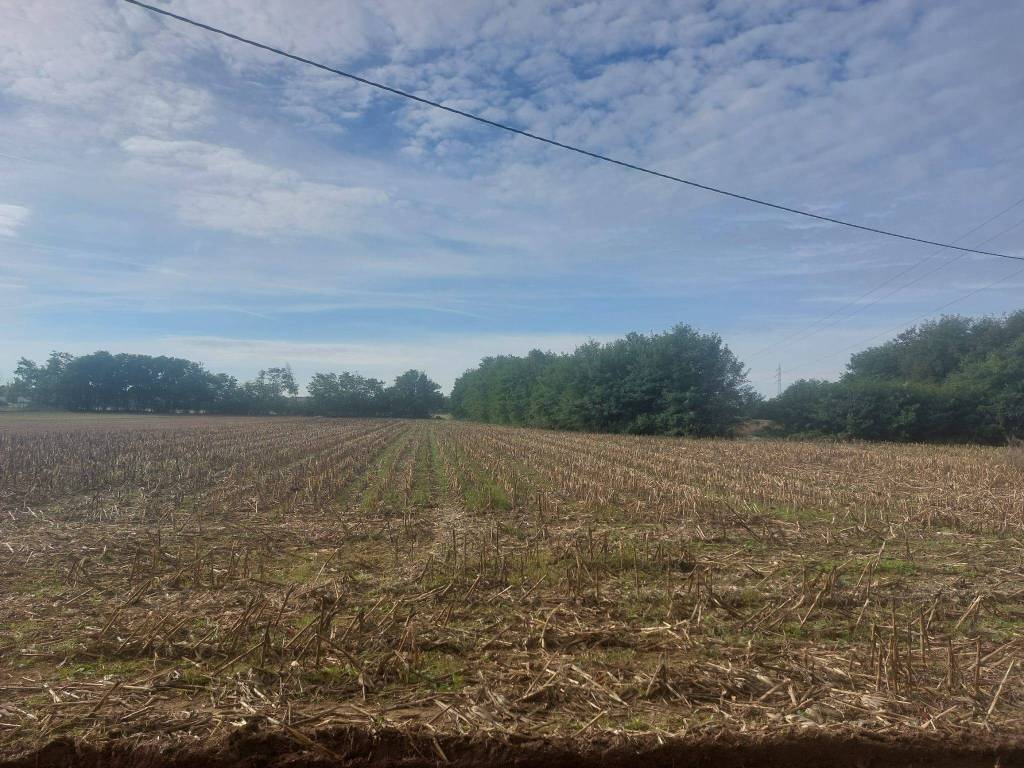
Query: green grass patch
<point>423,473</point>
<point>101,668</point>
<point>38,588</point>
<point>795,515</point>
<point>1001,629</point>
<point>193,677</point>
<point>441,671</point>
<point>381,490</point>
<point>338,676</point>
<point>896,566</point>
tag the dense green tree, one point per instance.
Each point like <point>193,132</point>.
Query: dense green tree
<point>270,390</point>
<point>998,378</point>
<point>345,394</point>
<point>677,383</point>
<point>927,353</point>
<point>952,379</point>
<point>40,383</point>
<point>413,395</point>
<point>102,381</point>
<point>806,407</point>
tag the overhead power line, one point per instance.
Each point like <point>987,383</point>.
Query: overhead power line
<point>820,324</point>
<point>559,144</point>
<point>947,305</point>
<point>909,323</point>
<point>929,273</point>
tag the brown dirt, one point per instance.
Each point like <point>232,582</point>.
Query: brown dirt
<point>383,749</point>
<point>166,582</point>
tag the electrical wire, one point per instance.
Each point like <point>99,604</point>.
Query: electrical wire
<point>561,145</point>
<point>813,330</point>
<point>902,326</point>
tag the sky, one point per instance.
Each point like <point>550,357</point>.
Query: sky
<point>167,191</point>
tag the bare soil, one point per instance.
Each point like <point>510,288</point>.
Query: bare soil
<point>353,746</point>
<point>273,592</point>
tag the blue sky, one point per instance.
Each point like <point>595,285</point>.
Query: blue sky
<point>166,191</point>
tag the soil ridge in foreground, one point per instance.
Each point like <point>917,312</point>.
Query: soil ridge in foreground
<point>383,749</point>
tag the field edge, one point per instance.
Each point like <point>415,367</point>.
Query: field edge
<point>345,746</point>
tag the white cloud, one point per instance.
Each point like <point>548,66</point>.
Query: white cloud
<point>221,188</point>
<point>106,69</point>
<point>12,218</point>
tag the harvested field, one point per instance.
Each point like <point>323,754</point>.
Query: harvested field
<point>421,592</point>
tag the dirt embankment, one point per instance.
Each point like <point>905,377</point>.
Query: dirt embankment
<point>353,747</point>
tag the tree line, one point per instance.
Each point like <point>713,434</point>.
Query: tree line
<point>129,382</point>
<point>955,379</point>
<point>680,382</point>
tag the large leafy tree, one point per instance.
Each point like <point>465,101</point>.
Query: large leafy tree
<point>681,382</point>
<point>952,379</point>
<point>413,395</point>
<point>270,390</point>
<point>102,381</point>
<point>346,394</point>
<point>41,383</point>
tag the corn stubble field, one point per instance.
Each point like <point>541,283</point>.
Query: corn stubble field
<point>174,580</point>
